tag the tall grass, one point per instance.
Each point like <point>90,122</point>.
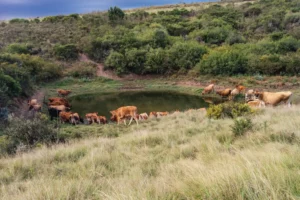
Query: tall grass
<point>182,156</point>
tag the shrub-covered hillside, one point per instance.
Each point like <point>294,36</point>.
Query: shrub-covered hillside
<point>249,38</point>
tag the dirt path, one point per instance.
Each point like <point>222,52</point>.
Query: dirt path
<point>110,74</point>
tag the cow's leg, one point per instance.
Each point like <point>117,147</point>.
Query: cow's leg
<point>136,121</point>
<point>130,120</point>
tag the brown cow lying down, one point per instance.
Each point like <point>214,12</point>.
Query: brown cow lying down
<point>207,90</point>
<point>256,103</point>
<point>224,93</point>
<point>63,92</point>
<point>274,98</point>
<point>123,112</point>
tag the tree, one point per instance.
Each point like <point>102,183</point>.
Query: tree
<point>115,13</point>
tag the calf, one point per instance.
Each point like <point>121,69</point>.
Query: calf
<point>256,103</point>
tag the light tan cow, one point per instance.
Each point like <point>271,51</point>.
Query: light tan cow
<point>274,98</point>
<point>207,90</point>
<point>256,103</point>
<point>123,112</point>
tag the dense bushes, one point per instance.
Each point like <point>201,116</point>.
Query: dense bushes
<point>18,73</point>
<point>83,70</point>
<point>66,52</point>
<point>266,31</point>
<point>181,56</point>
<point>223,61</point>
<point>26,134</point>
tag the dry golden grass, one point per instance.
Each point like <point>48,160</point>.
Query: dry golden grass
<point>182,156</point>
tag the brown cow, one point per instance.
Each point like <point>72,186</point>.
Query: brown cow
<point>92,117</point>
<point>102,119</point>
<point>274,98</point>
<point>65,116</point>
<point>75,118</point>
<point>152,114</point>
<point>60,108</point>
<point>63,92</point>
<point>240,88</point>
<point>207,90</point>
<point>125,111</point>
<point>56,101</point>
<point>224,93</point>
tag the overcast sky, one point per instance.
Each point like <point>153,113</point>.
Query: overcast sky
<point>39,8</point>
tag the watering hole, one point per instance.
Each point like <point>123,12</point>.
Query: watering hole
<point>144,101</point>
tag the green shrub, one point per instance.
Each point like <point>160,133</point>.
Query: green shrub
<point>117,62</point>
<point>265,64</point>
<point>226,62</point>
<point>213,35</point>
<point>83,69</point>
<point>292,18</point>
<point>30,132</point>
<point>160,39</point>
<point>135,59</point>
<point>18,48</point>
<point>115,13</point>
<point>235,38</point>
<point>231,110</point>
<point>13,88</point>
<point>241,126</point>
<point>288,44</point>
<point>66,52</point>
<point>185,55</point>
<point>156,61</point>
<point>18,20</point>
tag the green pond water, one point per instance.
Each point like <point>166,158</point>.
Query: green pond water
<point>144,101</point>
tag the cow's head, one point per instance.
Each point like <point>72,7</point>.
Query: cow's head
<point>258,94</point>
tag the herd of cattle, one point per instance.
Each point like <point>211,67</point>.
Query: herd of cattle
<point>59,107</point>
<point>253,98</point>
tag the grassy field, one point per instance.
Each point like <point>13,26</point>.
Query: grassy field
<point>183,156</point>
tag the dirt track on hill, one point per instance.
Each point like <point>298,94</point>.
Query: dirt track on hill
<point>110,74</point>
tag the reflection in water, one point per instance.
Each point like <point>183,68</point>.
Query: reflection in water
<point>145,102</point>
